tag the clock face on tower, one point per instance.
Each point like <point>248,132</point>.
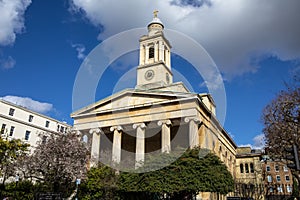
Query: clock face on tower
<point>149,74</point>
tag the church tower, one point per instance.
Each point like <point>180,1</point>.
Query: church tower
<point>154,70</point>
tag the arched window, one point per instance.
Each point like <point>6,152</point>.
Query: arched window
<point>151,52</point>
<point>241,168</point>
<point>251,168</point>
<point>246,168</point>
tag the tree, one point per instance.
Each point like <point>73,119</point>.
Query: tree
<point>281,120</point>
<point>10,151</point>
<point>182,179</point>
<point>56,162</point>
<point>101,183</point>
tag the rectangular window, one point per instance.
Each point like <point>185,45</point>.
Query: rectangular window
<point>62,129</point>
<point>269,177</point>
<point>287,178</point>
<point>30,118</point>
<point>278,178</point>
<point>47,124</point>
<point>151,52</point>
<point>279,188</point>
<point>3,128</point>
<point>27,134</point>
<point>285,168</point>
<point>11,112</point>
<point>58,128</point>
<point>11,132</point>
<point>268,168</point>
<point>289,189</point>
<point>276,168</point>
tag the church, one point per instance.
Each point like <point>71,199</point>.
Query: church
<point>158,115</point>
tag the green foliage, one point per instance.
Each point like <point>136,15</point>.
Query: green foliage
<point>182,179</point>
<point>10,151</point>
<point>101,183</point>
<point>188,175</point>
<point>21,190</point>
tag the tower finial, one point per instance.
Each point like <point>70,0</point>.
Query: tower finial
<point>155,13</point>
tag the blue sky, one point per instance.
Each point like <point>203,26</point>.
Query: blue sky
<point>255,45</point>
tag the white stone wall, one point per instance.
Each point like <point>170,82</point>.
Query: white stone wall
<point>20,120</point>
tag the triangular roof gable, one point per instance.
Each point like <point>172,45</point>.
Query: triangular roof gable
<point>130,98</point>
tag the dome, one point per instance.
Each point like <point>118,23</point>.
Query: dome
<point>155,20</point>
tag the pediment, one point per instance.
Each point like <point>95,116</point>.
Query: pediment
<point>130,99</point>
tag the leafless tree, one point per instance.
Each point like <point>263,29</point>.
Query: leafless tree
<point>281,120</point>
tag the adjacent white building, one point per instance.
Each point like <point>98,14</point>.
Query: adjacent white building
<point>21,123</point>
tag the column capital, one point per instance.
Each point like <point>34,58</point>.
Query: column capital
<point>95,130</point>
<point>77,132</point>
<point>118,128</point>
<point>166,122</point>
<point>141,125</point>
<point>188,119</point>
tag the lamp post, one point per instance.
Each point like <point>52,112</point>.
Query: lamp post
<point>16,180</point>
<point>77,184</point>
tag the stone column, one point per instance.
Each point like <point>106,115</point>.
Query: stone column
<point>156,52</point>
<point>147,55</point>
<point>95,151</point>
<point>161,51</point>
<point>142,54</point>
<point>165,135</point>
<point>140,144</point>
<point>193,131</point>
<point>116,149</point>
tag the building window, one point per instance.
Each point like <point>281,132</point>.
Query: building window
<point>241,168</point>
<point>246,168</point>
<point>276,168</point>
<point>285,168</point>
<point>268,168</point>
<point>287,178</point>
<point>58,128</point>
<point>278,178</point>
<point>251,168</point>
<point>27,134</point>
<point>3,128</point>
<point>11,112</point>
<point>47,124</point>
<point>11,132</point>
<point>279,189</point>
<point>289,189</point>
<point>269,177</point>
<point>30,118</point>
<point>62,129</point>
<point>151,52</point>
<point>85,139</point>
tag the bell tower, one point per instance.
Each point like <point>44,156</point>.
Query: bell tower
<point>154,68</point>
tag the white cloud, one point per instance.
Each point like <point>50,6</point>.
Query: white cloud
<point>80,48</point>
<point>258,142</point>
<point>11,19</point>
<point>7,63</point>
<point>26,102</point>
<point>236,33</point>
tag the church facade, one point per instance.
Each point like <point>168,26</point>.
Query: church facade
<point>157,115</point>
